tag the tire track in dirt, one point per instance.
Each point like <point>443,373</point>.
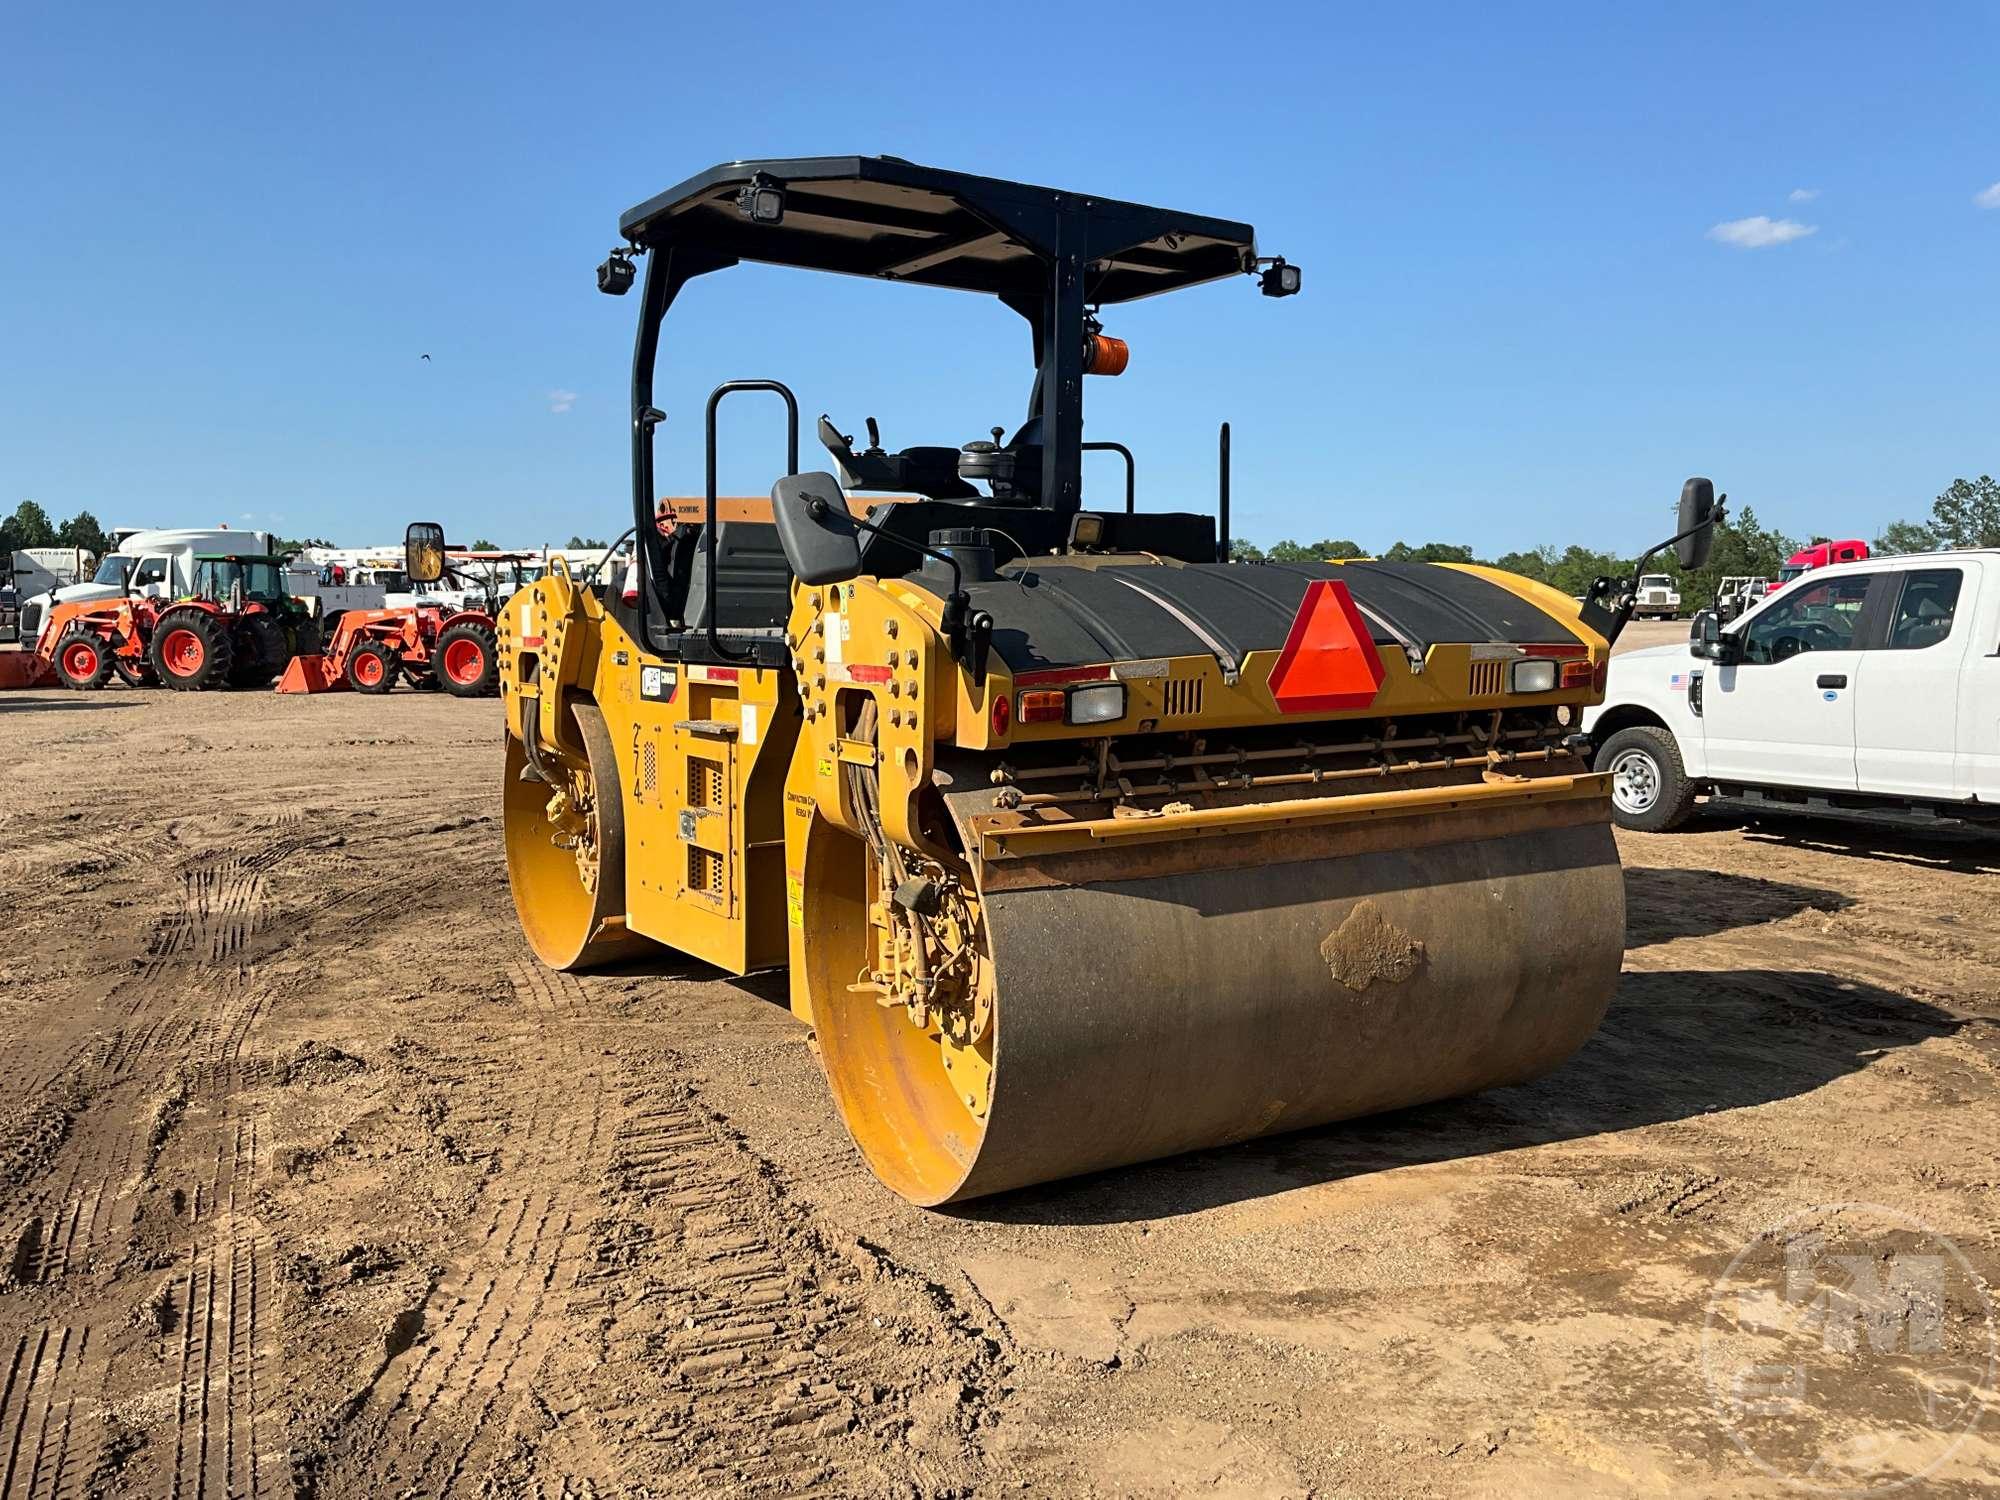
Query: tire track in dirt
<point>38,1416</point>
<point>782,1361</point>
<point>224,1289</point>
<point>486,1333</point>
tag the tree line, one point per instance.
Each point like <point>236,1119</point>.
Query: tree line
<point>30,526</point>
<point>1967,514</point>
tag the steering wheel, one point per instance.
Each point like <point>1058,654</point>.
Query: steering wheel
<point>1810,635</point>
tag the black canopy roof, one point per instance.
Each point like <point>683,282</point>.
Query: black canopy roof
<point>883,216</point>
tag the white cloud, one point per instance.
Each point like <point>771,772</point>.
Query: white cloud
<point>1760,232</point>
<point>249,515</point>
<point>561,401</point>
<point>1802,195</point>
<point>1988,197</point>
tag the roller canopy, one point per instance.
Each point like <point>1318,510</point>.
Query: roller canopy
<point>883,216</point>
<point>1059,616</point>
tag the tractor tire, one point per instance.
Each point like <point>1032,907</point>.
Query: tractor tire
<point>372,668</point>
<point>192,650</point>
<point>262,650</point>
<point>134,671</point>
<point>466,661</point>
<point>83,658</point>
<point>1650,790</point>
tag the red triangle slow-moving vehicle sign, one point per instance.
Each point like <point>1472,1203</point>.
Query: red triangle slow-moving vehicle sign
<point>1329,659</point>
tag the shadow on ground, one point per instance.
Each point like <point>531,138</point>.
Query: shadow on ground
<point>1676,1045</point>
<point>10,704</point>
<point>1662,903</point>
<point>1931,844</point>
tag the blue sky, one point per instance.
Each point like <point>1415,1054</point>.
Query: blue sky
<point>230,232</point>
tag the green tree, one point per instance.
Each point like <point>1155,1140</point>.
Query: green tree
<point>1242,550</point>
<point>578,543</point>
<point>1578,567</point>
<point>1436,552</point>
<point>299,544</point>
<point>82,530</point>
<point>29,526</point>
<point>483,545</point>
<point>1905,536</point>
<point>1965,515</point>
<point>1320,551</point>
<point>1743,548</point>
<point>1535,564</point>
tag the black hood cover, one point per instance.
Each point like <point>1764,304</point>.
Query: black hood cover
<point>1064,615</point>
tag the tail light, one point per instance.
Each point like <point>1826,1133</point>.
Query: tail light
<point>1040,707</point>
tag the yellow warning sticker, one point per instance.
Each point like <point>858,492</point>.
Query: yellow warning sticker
<point>825,767</point>
<point>795,899</point>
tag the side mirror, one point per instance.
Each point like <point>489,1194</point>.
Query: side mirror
<point>1707,639</point>
<point>152,591</point>
<point>1697,511</point>
<point>423,551</point>
<point>822,544</point>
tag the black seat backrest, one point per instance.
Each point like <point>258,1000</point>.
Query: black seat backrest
<point>753,583</point>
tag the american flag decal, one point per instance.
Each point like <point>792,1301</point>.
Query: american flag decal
<point>1678,682</point>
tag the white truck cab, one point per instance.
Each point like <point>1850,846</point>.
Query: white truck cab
<point>157,564</point>
<point>1871,683</point>
<point>1655,598</point>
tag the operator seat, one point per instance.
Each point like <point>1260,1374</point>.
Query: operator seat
<point>753,582</point>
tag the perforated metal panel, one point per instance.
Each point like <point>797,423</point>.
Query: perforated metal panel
<point>1180,697</point>
<point>704,871</point>
<point>649,769</point>
<point>704,782</point>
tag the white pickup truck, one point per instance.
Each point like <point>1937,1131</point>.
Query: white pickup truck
<point>1865,684</point>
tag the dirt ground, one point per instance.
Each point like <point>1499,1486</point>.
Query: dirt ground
<point>312,1182</point>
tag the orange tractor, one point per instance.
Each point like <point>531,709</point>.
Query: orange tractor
<point>455,649</point>
<point>238,629</point>
<point>447,642</point>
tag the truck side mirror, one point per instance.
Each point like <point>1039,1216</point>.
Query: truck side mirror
<point>822,544</point>
<point>423,551</point>
<point>1707,639</point>
<point>1697,512</point>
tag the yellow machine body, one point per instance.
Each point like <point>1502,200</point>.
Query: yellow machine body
<point>1123,949</point>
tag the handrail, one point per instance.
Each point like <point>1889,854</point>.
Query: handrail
<point>730,387</point>
<point>1131,470</point>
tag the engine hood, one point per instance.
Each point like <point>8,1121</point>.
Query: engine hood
<point>1073,613</point>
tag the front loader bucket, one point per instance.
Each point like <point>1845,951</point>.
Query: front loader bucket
<point>1224,974</point>
<point>312,674</point>
<point>25,669</point>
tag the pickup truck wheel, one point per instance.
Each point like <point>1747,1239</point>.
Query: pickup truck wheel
<point>1650,792</point>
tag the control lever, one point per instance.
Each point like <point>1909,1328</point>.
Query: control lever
<point>840,445</point>
<point>874,435</point>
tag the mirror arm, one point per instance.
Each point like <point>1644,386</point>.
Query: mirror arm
<point>1628,599</point>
